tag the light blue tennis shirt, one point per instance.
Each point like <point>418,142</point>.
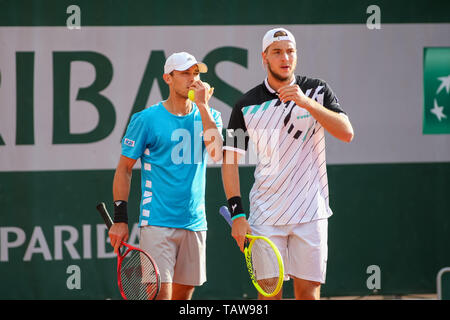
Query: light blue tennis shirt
<point>173,166</point>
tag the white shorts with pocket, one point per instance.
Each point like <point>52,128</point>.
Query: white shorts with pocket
<point>303,247</point>
<point>179,254</point>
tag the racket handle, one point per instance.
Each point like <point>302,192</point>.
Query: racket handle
<point>226,214</point>
<point>101,207</point>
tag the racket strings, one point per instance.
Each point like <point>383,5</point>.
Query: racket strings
<point>138,277</point>
<point>265,267</point>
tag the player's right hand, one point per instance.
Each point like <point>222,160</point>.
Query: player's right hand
<point>239,230</point>
<point>118,233</point>
<point>203,92</point>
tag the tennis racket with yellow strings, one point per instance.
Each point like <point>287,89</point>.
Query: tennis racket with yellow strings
<point>263,260</point>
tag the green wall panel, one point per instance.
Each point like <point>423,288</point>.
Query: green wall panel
<point>219,12</point>
<point>395,216</point>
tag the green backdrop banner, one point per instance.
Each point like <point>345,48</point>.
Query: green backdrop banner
<point>391,216</point>
<point>219,12</point>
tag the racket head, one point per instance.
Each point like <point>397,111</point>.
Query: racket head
<point>138,276</point>
<point>264,264</point>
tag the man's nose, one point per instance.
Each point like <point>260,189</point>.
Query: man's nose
<point>191,78</point>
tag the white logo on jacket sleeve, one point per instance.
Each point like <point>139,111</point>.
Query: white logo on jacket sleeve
<point>129,142</point>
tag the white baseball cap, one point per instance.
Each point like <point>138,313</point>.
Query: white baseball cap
<point>277,34</point>
<point>181,61</point>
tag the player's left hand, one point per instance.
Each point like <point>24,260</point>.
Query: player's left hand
<point>292,93</point>
<point>203,92</point>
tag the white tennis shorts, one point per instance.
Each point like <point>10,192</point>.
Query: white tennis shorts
<point>179,254</point>
<point>303,247</point>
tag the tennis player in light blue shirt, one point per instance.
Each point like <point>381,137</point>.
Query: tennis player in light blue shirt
<point>173,139</point>
<point>173,159</point>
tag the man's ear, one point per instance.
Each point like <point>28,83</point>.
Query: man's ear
<point>167,78</point>
<point>263,56</point>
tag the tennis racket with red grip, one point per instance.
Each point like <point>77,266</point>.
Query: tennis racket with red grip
<point>137,273</point>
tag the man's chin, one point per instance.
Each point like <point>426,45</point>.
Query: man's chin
<point>183,95</point>
<point>282,77</point>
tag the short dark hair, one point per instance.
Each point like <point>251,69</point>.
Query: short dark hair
<point>280,33</point>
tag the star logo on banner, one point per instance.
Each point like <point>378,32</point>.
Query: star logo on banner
<point>436,91</point>
<point>445,83</point>
<point>438,111</point>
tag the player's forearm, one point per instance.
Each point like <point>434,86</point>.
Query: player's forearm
<point>230,179</point>
<point>211,135</point>
<point>336,124</point>
<point>122,183</point>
